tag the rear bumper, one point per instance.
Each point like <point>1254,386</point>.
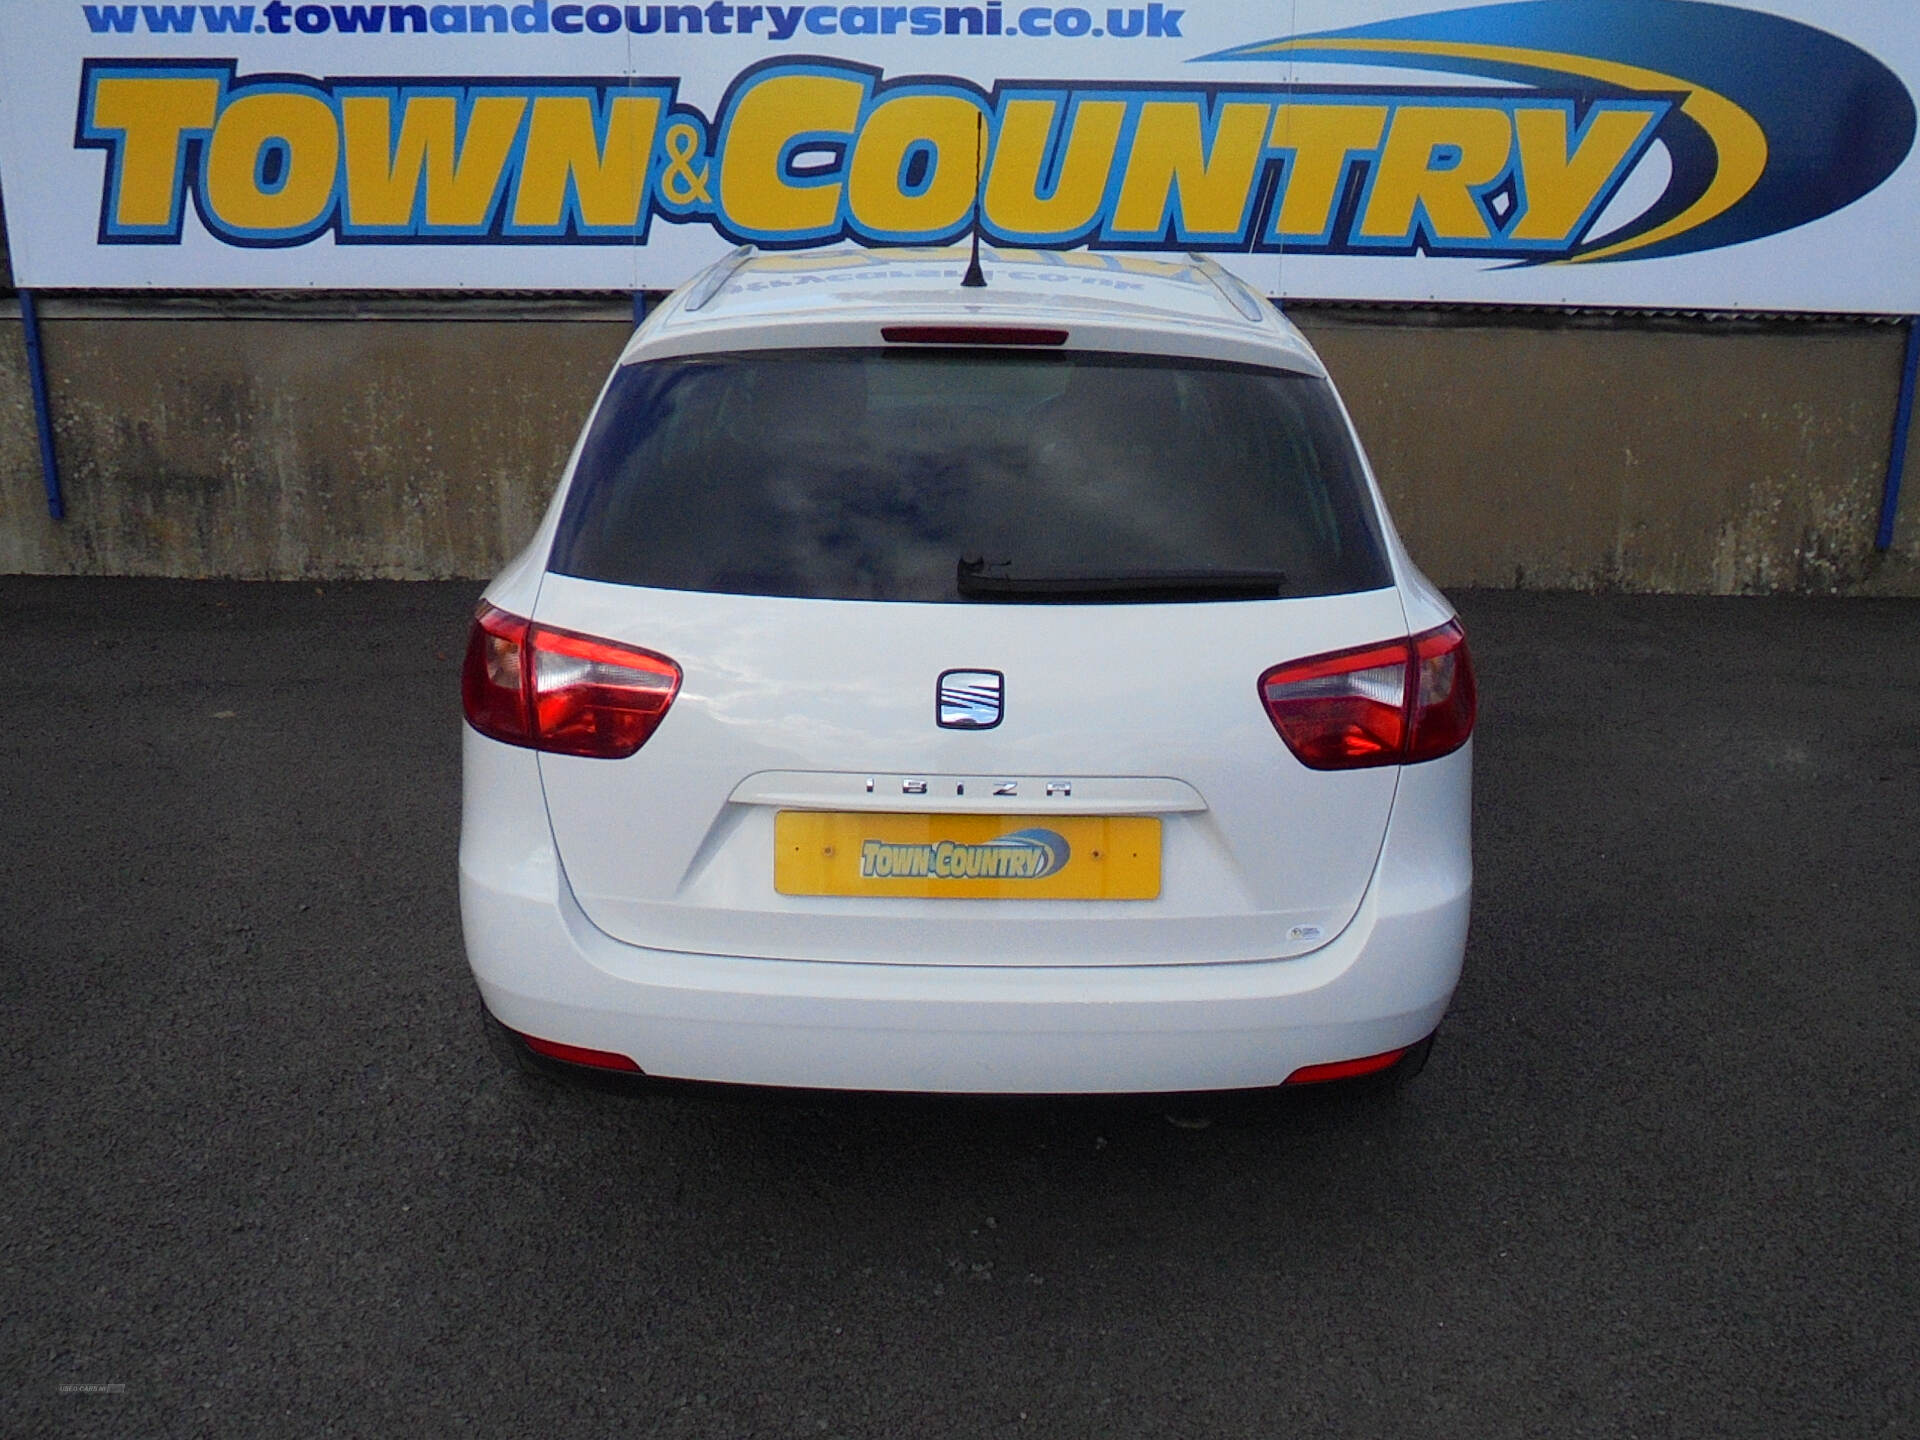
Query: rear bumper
<point>544,969</point>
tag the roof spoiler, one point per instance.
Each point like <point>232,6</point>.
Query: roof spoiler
<point>1234,290</point>
<point>721,271</point>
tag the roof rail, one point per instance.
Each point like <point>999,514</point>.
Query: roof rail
<point>721,271</point>
<point>1234,290</point>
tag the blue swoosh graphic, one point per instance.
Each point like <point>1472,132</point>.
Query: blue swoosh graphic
<point>1837,122</point>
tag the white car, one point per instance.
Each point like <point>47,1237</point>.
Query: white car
<point>1004,689</point>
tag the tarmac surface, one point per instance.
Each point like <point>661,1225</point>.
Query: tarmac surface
<point>264,1177</point>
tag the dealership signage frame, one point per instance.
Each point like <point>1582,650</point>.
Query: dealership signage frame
<point>1621,153</point>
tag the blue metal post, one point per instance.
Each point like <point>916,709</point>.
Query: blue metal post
<point>640,308</point>
<point>1902,427</point>
<point>42,416</point>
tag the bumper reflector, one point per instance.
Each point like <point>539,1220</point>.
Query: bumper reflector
<point>1344,1069</point>
<point>580,1055</point>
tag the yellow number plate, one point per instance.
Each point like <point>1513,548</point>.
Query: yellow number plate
<point>967,857</point>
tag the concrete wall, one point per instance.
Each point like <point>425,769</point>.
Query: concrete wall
<point>1705,456</point>
<point>284,448</point>
<point>1708,456</point>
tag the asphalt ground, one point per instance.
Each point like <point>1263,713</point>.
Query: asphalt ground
<point>263,1176</point>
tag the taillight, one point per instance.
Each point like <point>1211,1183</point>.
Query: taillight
<point>558,691</point>
<point>1443,696</point>
<point>1394,703</point>
<point>493,688</point>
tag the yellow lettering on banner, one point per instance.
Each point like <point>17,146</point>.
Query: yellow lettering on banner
<point>1434,158</point>
<point>1322,139</point>
<point>755,196</point>
<point>461,176</point>
<point>610,182</point>
<point>1013,202</point>
<point>1560,188</point>
<point>947,123</point>
<point>151,115</point>
<point>305,125</point>
<point>1169,158</point>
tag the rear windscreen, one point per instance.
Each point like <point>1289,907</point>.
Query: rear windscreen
<point>898,474</point>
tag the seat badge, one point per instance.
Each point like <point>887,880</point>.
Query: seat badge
<point>970,699</point>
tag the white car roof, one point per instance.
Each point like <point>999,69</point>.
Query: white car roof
<point>844,297</point>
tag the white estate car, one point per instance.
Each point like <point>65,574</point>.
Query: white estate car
<point>916,687</point>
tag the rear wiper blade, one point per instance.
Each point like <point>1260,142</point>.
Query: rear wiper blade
<point>980,579</point>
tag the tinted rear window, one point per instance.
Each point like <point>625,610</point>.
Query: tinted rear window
<point>871,475</point>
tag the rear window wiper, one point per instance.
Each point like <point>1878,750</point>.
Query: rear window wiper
<point>980,579</point>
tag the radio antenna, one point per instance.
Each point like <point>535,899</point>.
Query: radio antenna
<point>975,278</point>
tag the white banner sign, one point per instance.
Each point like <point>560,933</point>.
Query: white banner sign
<point>1590,152</point>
